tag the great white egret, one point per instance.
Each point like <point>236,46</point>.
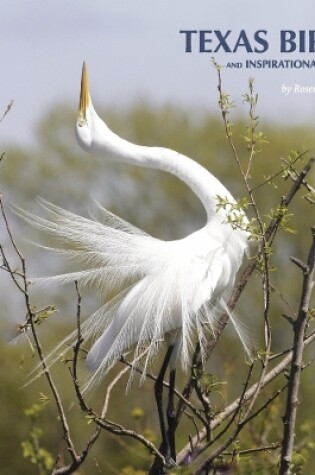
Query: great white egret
<point>168,288</point>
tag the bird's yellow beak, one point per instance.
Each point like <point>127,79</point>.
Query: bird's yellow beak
<point>84,94</point>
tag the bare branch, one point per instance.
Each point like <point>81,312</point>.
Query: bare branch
<point>8,108</point>
<point>118,429</point>
<point>299,327</point>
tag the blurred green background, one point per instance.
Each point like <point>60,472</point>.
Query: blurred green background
<point>57,170</point>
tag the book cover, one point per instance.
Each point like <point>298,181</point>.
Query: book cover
<point>182,232</point>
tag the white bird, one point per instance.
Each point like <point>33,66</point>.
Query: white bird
<point>173,289</point>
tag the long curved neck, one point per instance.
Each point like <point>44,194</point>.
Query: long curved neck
<point>200,180</point>
<point>202,183</point>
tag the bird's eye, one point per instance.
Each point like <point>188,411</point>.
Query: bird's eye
<point>81,122</point>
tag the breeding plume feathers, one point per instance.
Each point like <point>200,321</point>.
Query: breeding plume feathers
<point>176,288</point>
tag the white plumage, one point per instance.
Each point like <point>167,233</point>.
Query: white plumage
<point>174,288</point>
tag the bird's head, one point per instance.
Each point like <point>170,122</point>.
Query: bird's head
<point>93,135</point>
<point>89,127</point>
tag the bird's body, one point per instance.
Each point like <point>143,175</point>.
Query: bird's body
<point>181,291</point>
<point>174,288</point>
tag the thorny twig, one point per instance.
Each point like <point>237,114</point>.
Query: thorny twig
<point>299,327</point>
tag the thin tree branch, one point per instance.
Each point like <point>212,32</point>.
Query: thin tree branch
<point>8,108</point>
<point>299,327</point>
<point>76,351</point>
<point>118,429</point>
<point>265,448</point>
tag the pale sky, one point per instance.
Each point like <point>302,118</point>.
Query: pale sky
<point>134,50</point>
